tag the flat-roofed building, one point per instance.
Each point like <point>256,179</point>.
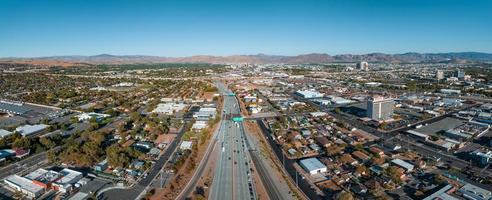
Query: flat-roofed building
<point>405,165</point>
<point>44,178</point>
<point>309,94</point>
<point>450,91</point>
<point>24,185</point>
<point>205,113</point>
<point>4,133</point>
<point>69,178</point>
<point>13,108</point>
<point>473,192</point>
<point>28,130</point>
<point>199,125</point>
<point>185,145</point>
<point>5,154</point>
<point>312,166</point>
<point>442,194</point>
<point>169,108</point>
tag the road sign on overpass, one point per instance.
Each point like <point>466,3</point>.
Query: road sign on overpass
<point>237,119</point>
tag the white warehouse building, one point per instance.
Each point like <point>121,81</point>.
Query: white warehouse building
<point>309,94</point>
<point>24,185</point>
<point>312,165</point>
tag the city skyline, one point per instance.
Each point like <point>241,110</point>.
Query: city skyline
<point>221,28</point>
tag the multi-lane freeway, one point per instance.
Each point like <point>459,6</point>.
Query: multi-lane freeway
<point>232,177</point>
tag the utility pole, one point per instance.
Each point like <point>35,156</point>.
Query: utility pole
<point>283,159</point>
<point>297,182</point>
<point>161,178</point>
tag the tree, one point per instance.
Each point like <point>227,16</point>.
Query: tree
<point>74,120</point>
<point>118,157</point>
<point>383,126</point>
<point>333,150</point>
<point>23,143</point>
<point>412,85</point>
<point>393,172</point>
<point>362,170</point>
<point>46,142</point>
<point>51,156</point>
<point>344,195</point>
<point>135,116</point>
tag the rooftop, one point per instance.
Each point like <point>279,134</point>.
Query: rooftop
<point>403,164</point>
<point>311,164</point>
<point>69,176</point>
<point>30,129</point>
<point>24,183</point>
<point>16,108</point>
<point>474,192</point>
<point>43,175</point>
<point>442,125</point>
<point>4,133</point>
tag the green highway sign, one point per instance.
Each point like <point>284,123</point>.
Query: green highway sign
<point>237,119</point>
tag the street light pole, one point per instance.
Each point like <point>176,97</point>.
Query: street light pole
<point>297,182</point>
<point>161,179</point>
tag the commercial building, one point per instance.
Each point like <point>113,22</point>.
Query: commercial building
<point>250,99</point>
<point>379,108</point>
<point>460,74</point>
<point>4,133</point>
<point>69,178</point>
<point>92,115</point>
<point>185,145</point>
<point>485,157</point>
<point>309,94</point>
<point>24,185</point>
<point>28,130</point>
<point>439,75</point>
<point>442,193</point>
<point>473,192</point>
<point>37,182</point>
<point>169,108</point>
<point>362,66</point>
<point>4,154</point>
<point>103,165</point>
<point>44,178</point>
<point>312,165</point>
<point>467,130</point>
<point>450,91</point>
<point>205,113</point>
<point>405,165</point>
<point>13,108</point>
<point>199,125</point>
<point>339,100</point>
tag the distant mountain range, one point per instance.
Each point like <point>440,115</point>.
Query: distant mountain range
<point>458,57</point>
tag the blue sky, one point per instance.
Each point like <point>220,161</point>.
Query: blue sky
<point>218,27</point>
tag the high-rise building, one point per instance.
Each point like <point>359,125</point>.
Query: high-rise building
<point>363,66</point>
<point>460,74</point>
<point>379,108</point>
<point>439,75</point>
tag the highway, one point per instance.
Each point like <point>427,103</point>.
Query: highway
<point>232,178</point>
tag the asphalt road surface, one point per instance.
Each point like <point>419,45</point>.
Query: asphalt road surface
<point>133,192</point>
<point>232,178</point>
